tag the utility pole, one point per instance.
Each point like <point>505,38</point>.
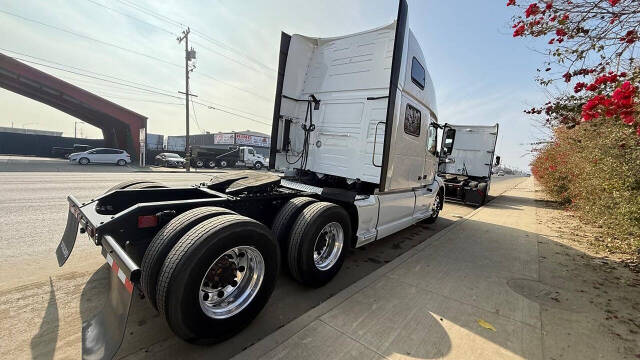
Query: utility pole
<point>188,56</point>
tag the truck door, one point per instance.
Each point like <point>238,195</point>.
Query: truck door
<point>424,194</point>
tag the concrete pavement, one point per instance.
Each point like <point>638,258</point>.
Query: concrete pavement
<point>472,292</point>
<point>42,307</point>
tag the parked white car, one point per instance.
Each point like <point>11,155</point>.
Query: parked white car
<point>101,156</point>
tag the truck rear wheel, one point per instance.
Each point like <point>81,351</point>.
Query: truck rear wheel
<point>317,243</point>
<point>164,241</point>
<point>199,163</point>
<point>211,164</point>
<point>223,163</point>
<point>257,165</point>
<point>217,278</point>
<point>283,222</point>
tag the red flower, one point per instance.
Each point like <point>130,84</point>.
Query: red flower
<point>567,77</point>
<point>549,5</point>
<point>565,17</point>
<point>579,87</point>
<point>532,10</point>
<point>630,37</point>
<point>552,41</point>
<point>623,96</point>
<point>591,87</point>
<point>553,18</point>
<point>561,32</point>
<point>511,3</point>
<point>614,2</point>
<point>519,31</point>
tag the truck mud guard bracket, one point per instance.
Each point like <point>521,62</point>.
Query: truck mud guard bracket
<point>102,335</point>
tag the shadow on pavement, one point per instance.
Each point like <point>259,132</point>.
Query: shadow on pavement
<point>43,344</point>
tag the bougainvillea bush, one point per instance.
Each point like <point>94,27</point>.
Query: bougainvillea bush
<point>592,73</point>
<point>594,169</point>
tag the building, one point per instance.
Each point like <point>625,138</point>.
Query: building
<point>29,131</point>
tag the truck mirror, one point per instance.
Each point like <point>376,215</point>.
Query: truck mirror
<point>497,161</point>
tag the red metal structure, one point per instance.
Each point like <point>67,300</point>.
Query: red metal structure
<point>120,126</point>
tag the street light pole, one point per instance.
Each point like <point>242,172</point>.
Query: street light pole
<point>188,56</point>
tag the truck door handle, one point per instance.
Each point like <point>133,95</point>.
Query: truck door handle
<point>375,140</point>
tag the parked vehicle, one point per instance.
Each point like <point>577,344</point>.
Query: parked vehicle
<point>101,156</point>
<point>234,156</point>
<point>63,152</point>
<point>466,159</point>
<point>169,160</point>
<point>207,256</point>
<point>500,173</point>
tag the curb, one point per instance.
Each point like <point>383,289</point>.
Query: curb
<point>281,335</point>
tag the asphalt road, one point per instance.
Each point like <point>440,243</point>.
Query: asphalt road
<point>42,306</point>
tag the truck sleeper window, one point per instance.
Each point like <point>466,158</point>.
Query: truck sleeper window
<point>417,73</point>
<point>412,121</point>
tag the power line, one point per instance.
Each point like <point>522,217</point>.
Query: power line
<point>195,117</point>
<point>232,113</point>
<point>133,52</point>
<point>172,33</point>
<point>161,92</point>
<point>95,77</point>
<point>89,38</point>
<point>199,33</point>
<point>131,17</point>
<point>85,70</point>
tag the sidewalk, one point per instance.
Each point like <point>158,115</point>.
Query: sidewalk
<point>455,297</point>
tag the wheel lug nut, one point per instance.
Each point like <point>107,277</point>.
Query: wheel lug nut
<point>234,283</point>
<point>205,297</point>
<point>220,294</point>
<point>241,268</point>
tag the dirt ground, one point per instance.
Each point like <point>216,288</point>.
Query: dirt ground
<point>598,292</point>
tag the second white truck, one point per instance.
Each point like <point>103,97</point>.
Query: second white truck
<point>467,155</point>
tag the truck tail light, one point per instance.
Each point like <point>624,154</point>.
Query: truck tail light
<point>147,221</point>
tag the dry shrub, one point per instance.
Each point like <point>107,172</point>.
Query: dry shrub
<point>594,169</point>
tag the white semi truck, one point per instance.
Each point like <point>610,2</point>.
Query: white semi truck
<point>467,155</point>
<point>354,129</point>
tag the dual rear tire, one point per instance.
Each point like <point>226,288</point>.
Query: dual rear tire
<point>312,236</point>
<point>210,271</point>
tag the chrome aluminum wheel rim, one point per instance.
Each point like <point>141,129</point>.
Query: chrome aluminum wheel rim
<point>435,207</point>
<point>231,282</point>
<point>328,246</point>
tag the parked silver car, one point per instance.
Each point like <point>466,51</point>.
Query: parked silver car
<point>101,156</point>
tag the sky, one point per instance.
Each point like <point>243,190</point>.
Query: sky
<point>482,75</point>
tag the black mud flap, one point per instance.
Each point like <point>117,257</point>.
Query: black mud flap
<point>70,233</point>
<point>103,334</point>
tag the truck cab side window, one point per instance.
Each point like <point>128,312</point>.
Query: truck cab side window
<point>417,73</point>
<point>251,152</point>
<point>412,118</point>
<point>449,137</point>
<point>432,140</point>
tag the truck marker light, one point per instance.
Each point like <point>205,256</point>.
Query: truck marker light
<point>146,221</point>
